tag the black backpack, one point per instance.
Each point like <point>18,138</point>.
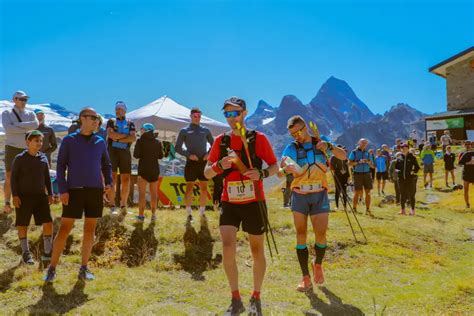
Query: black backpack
<point>224,146</point>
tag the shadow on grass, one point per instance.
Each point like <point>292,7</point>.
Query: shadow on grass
<point>7,277</point>
<point>141,246</point>
<point>53,303</point>
<point>335,307</point>
<point>197,256</point>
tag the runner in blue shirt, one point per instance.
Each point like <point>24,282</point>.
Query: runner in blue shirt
<point>381,163</point>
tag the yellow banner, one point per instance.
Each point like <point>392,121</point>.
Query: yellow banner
<point>172,189</point>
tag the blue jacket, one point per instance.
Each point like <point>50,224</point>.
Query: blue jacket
<point>86,160</point>
<point>195,137</point>
<point>357,155</point>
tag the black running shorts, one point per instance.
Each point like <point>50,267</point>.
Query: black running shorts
<point>248,214</point>
<point>194,170</point>
<point>121,160</point>
<point>362,181</point>
<point>33,205</point>
<point>382,175</point>
<point>87,201</point>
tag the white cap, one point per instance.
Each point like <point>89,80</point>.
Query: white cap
<point>20,94</point>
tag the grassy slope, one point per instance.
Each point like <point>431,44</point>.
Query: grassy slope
<point>421,265</point>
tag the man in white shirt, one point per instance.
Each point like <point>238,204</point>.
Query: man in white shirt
<point>16,122</point>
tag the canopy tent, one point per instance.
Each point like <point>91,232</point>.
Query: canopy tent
<point>169,117</point>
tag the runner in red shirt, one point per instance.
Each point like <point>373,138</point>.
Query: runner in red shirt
<point>243,187</point>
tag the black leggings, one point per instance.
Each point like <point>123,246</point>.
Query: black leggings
<point>341,189</point>
<point>407,191</point>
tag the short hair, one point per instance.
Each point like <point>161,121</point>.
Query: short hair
<point>295,119</point>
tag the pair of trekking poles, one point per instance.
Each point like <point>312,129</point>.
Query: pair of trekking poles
<point>315,131</point>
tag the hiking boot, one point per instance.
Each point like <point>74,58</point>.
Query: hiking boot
<point>50,275</point>
<point>402,212</point>
<point>236,307</point>
<point>85,274</point>
<point>305,284</point>
<point>255,307</point>
<point>27,259</point>
<point>318,273</point>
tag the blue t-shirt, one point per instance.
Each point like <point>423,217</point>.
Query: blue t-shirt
<point>357,155</point>
<point>381,163</point>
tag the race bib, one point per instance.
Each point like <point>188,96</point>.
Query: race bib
<point>310,186</point>
<point>241,191</point>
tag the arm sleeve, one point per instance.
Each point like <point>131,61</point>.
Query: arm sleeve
<point>29,125</point>
<point>9,126</point>
<point>106,165</point>
<point>179,145</point>
<point>264,150</point>
<point>61,166</point>
<point>47,180</point>
<point>160,150</point>
<point>14,176</point>
<point>290,151</point>
<point>214,153</point>
<point>210,139</point>
<point>416,166</point>
<point>53,144</point>
<point>137,149</point>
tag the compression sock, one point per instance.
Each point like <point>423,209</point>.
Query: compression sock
<point>320,251</point>
<point>303,255</point>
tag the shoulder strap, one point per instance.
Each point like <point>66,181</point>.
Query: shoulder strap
<point>17,116</point>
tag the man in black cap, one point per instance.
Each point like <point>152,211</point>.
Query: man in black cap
<point>195,137</point>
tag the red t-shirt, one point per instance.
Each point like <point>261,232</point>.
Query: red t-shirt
<point>263,150</point>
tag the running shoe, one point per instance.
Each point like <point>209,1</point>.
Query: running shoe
<point>85,274</point>
<point>235,308</point>
<point>114,211</point>
<point>318,273</point>
<point>50,275</point>
<point>153,218</point>
<point>402,212</point>
<point>255,307</point>
<point>412,212</point>
<point>140,218</point>
<point>305,284</point>
<point>27,259</point>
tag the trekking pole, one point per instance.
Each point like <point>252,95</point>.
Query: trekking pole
<point>261,206</point>
<point>314,128</point>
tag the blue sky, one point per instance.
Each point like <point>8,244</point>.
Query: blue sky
<point>78,53</point>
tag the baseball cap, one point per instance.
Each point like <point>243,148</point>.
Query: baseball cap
<point>38,111</point>
<point>148,127</point>
<point>20,94</point>
<point>120,105</point>
<point>235,101</point>
<point>32,133</point>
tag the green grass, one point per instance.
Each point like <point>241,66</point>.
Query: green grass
<point>419,265</point>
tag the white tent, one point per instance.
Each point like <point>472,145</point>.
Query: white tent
<point>169,117</point>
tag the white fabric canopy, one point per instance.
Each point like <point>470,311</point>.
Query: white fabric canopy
<point>169,117</point>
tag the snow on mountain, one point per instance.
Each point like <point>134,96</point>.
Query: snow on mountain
<point>56,116</point>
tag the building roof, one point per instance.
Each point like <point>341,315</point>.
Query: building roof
<point>448,114</point>
<point>440,68</point>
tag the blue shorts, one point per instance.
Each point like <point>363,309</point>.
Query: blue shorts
<point>310,204</point>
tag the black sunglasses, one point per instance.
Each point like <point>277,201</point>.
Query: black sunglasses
<point>22,99</point>
<point>92,117</point>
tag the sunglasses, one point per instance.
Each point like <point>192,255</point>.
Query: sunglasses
<point>229,114</point>
<point>298,132</point>
<point>196,115</point>
<point>92,117</point>
<point>22,99</point>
